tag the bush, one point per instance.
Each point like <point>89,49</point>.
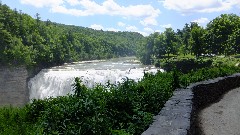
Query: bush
<point>205,74</point>
<point>186,65</point>
<point>13,121</point>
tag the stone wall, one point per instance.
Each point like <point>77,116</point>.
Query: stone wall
<point>207,93</point>
<point>180,114</point>
<point>13,86</point>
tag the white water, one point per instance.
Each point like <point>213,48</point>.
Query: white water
<point>58,81</point>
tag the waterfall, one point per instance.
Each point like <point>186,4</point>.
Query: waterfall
<point>58,81</point>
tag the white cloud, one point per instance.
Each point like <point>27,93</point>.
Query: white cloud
<point>121,24</point>
<point>143,33</point>
<point>113,29</point>
<point>42,3</point>
<point>90,8</point>
<point>147,29</point>
<point>100,27</point>
<point>199,6</point>
<point>166,26</point>
<point>73,2</point>
<point>135,29</point>
<point>201,20</point>
<point>131,28</point>
<point>97,27</point>
<point>235,2</point>
<point>146,13</point>
<point>158,31</point>
<point>151,20</point>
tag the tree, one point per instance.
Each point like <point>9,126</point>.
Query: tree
<point>38,19</point>
<point>186,36</point>
<point>160,45</point>
<point>197,39</point>
<point>233,43</point>
<point>220,33</point>
<point>171,41</point>
<point>147,59</point>
<point>5,41</point>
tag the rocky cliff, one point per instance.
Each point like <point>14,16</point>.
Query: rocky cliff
<point>13,86</point>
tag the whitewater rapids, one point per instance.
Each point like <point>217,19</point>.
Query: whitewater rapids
<point>58,81</point>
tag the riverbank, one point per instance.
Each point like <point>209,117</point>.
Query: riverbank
<point>222,118</point>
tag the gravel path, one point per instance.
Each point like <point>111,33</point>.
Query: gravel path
<point>222,118</point>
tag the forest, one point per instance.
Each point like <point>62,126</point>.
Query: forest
<point>221,36</point>
<point>32,42</point>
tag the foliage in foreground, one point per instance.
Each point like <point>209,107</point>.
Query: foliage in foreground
<point>126,108</point>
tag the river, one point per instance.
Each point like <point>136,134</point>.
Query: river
<point>57,81</point>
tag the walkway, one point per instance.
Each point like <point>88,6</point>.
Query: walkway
<point>223,117</point>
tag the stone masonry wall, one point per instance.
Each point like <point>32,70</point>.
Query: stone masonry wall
<point>180,114</point>
<point>13,86</point>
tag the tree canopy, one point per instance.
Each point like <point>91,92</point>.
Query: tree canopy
<point>220,37</point>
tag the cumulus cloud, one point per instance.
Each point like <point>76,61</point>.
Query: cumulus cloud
<point>89,8</point>
<point>166,26</point>
<point>199,6</point>
<point>158,31</point>
<point>147,29</point>
<point>113,29</point>
<point>146,13</point>
<point>151,20</point>
<point>97,27</point>
<point>100,27</point>
<point>73,2</point>
<point>201,20</point>
<point>131,28</point>
<point>235,2</point>
<point>143,33</point>
<point>121,24</point>
<point>42,3</point>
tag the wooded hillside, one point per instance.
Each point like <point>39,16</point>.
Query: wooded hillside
<point>30,41</point>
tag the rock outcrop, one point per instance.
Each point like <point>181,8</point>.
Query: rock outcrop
<point>13,86</point>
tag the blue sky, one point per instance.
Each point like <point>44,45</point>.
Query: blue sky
<point>143,16</point>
